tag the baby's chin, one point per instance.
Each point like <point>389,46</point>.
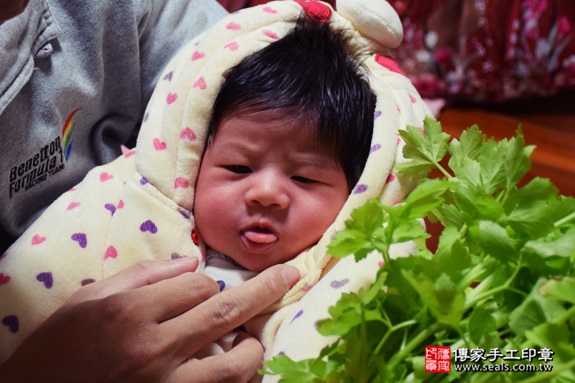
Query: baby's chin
<point>260,262</point>
<point>255,267</point>
<point>258,265</point>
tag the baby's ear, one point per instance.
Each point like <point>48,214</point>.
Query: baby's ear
<point>375,20</point>
<point>198,241</point>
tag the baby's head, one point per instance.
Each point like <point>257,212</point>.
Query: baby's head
<point>290,134</point>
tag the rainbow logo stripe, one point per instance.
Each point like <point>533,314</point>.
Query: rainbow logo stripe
<point>67,133</point>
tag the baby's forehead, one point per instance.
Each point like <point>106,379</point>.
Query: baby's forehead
<point>289,115</point>
<point>268,126</point>
<point>270,122</point>
<point>254,138</point>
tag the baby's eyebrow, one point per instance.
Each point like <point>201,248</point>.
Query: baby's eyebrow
<point>310,158</point>
<point>241,146</point>
<point>314,160</point>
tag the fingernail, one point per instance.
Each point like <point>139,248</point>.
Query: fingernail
<point>290,275</point>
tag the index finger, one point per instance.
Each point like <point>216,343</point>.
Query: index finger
<point>226,311</point>
<point>140,274</point>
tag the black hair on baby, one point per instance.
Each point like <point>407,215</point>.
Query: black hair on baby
<point>315,75</point>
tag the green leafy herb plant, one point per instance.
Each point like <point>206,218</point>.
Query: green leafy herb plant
<point>502,277</point>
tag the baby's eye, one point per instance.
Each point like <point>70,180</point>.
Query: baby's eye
<point>238,169</point>
<point>303,180</point>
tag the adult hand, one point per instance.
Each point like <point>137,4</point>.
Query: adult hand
<point>145,324</point>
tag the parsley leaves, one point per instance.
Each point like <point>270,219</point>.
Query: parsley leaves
<point>503,275</point>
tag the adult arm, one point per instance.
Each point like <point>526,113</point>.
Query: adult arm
<point>145,324</point>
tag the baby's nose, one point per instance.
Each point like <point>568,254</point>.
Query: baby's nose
<point>269,190</point>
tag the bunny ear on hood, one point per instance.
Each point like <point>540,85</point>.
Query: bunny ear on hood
<point>173,134</point>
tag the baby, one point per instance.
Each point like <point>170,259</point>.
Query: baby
<point>278,166</point>
<point>262,136</point>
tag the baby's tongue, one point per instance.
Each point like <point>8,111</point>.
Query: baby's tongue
<point>260,236</point>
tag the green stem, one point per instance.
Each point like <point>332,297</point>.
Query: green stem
<point>471,276</point>
<point>442,170</point>
<point>564,220</point>
<point>505,196</point>
<point>479,290</point>
<point>491,292</point>
<point>391,331</point>
<point>463,231</point>
<point>566,316</point>
<point>384,250</point>
<point>477,295</point>
<point>363,334</point>
<point>409,347</point>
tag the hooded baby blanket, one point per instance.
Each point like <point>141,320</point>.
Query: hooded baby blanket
<point>140,206</point>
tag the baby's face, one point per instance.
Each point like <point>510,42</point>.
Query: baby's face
<point>265,192</point>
